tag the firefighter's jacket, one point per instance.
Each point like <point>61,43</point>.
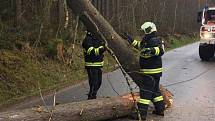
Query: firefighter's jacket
<point>93,52</point>
<point>151,63</point>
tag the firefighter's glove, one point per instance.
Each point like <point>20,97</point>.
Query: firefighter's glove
<point>128,37</point>
<point>147,52</point>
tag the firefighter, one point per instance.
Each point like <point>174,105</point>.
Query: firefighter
<point>93,56</point>
<point>150,61</point>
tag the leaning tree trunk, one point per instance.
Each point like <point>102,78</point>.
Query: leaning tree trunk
<point>96,23</point>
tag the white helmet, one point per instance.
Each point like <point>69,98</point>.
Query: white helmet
<point>148,27</point>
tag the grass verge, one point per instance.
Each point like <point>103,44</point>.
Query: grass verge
<point>173,42</point>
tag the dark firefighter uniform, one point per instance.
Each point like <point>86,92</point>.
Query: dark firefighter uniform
<point>93,56</point>
<point>151,70</point>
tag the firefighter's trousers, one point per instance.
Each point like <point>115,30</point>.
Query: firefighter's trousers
<point>150,92</point>
<point>95,80</point>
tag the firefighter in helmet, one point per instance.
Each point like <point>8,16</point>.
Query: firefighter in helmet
<point>93,56</point>
<point>150,61</point>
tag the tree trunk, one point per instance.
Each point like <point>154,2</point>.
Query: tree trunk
<point>18,12</point>
<point>96,23</point>
<point>91,110</point>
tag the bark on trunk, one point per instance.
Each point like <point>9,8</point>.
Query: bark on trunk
<point>96,23</point>
<point>91,110</point>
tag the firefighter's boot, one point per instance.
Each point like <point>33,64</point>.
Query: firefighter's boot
<point>142,113</point>
<point>91,96</point>
<point>159,108</point>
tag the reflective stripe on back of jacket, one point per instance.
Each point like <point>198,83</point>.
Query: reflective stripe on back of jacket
<point>92,55</point>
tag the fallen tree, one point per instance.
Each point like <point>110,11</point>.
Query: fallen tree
<point>97,24</point>
<point>90,110</point>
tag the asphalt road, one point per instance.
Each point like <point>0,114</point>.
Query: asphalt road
<point>191,80</point>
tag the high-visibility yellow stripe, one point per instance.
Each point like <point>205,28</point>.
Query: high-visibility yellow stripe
<point>89,50</point>
<point>101,47</point>
<point>96,51</point>
<point>157,50</point>
<point>145,56</point>
<point>144,101</point>
<point>135,42</point>
<point>94,64</point>
<point>138,45</point>
<point>151,71</point>
<point>158,99</point>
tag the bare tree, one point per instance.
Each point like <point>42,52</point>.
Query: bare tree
<point>175,18</point>
<point>18,12</point>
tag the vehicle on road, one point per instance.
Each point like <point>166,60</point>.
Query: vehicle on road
<point>207,33</point>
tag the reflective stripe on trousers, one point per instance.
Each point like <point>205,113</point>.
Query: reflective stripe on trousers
<point>151,71</point>
<point>158,99</point>
<point>144,101</point>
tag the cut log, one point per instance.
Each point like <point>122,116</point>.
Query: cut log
<point>91,110</point>
<point>167,96</point>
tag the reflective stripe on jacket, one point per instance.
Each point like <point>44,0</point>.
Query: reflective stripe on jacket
<point>95,64</point>
<point>93,52</point>
<point>150,63</point>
